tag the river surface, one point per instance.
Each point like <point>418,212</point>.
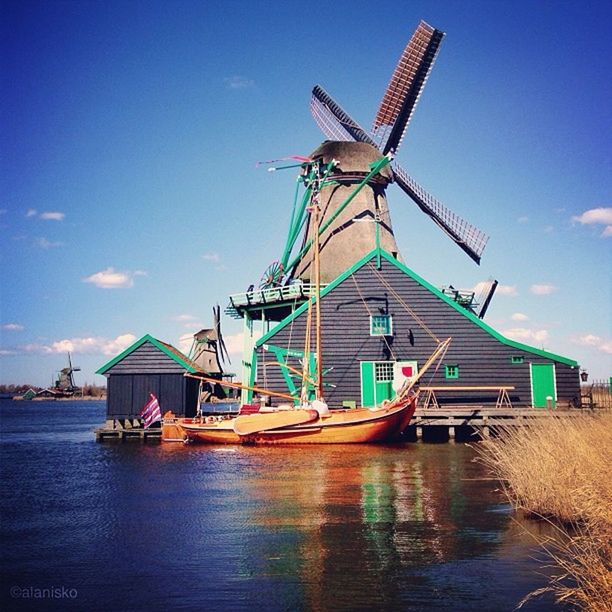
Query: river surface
<point>133,526</point>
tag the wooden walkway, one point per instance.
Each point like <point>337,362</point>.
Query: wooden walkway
<point>143,435</point>
<point>477,420</point>
<point>466,422</point>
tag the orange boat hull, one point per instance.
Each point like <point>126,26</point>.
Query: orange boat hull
<point>350,426</point>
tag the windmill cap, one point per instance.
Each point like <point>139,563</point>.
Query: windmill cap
<point>352,157</point>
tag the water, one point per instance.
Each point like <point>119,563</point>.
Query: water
<point>132,526</point>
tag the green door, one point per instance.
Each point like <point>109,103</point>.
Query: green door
<point>376,382</point>
<point>543,388</point>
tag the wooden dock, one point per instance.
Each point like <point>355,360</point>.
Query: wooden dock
<point>473,422</point>
<point>439,424</point>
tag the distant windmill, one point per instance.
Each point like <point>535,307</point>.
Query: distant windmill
<point>354,159</point>
<point>65,380</point>
<point>208,349</point>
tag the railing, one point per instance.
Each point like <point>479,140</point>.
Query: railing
<point>271,295</point>
<point>597,395</point>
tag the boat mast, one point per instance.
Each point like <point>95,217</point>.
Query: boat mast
<point>317,267</point>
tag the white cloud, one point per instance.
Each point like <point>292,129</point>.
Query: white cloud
<point>214,257</point>
<point>5,352</point>
<point>238,82</point>
<point>184,343</point>
<point>91,345</point>
<point>53,216</point>
<point>44,243</point>
<point>594,341</point>
<point>597,216</point>
<point>189,321</point>
<point>523,334</point>
<point>507,290</point>
<point>184,318</point>
<point>31,212</point>
<point>542,289</point>
<point>519,316</point>
<point>113,279</point>
<point>13,327</point>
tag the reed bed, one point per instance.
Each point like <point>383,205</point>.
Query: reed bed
<point>558,469</point>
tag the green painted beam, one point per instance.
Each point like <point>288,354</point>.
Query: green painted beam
<point>376,167</point>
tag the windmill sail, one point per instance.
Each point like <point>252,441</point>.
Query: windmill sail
<point>468,237</point>
<point>333,121</point>
<point>337,124</point>
<point>404,89</point>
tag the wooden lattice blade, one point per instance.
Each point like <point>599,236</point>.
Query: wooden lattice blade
<point>467,236</point>
<point>334,122</point>
<point>404,89</point>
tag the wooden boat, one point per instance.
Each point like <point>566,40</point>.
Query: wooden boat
<point>311,422</point>
<point>346,426</point>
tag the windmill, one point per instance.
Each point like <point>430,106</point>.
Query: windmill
<point>208,348</point>
<point>354,151</point>
<point>65,379</point>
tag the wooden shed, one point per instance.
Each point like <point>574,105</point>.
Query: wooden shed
<point>149,366</point>
<point>380,315</point>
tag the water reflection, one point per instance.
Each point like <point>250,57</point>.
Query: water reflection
<point>365,520</point>
<point>158,527</point>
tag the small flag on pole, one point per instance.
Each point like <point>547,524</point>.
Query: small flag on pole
<point>151,412</point>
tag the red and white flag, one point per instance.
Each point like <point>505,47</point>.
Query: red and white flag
<point>151,412</point>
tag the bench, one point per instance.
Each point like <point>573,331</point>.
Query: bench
<point>503,399</point>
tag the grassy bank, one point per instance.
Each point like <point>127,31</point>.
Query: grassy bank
<point>559,469</point>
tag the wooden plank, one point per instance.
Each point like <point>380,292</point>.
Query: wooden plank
<point>252,423</point>
<point>470,388</point>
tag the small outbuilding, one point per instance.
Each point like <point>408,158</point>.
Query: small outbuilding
<point>149,366</point>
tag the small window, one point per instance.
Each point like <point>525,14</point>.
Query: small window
<point>452,371</point>
<point>383,371</point>
<point>517,359</point>
<point>381,325</point>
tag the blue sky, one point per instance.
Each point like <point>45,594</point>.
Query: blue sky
<point>131,200</point>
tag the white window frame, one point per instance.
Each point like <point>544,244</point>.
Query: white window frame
<point>390,319</point>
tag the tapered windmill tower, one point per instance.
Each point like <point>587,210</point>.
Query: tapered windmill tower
<point>365,223</point>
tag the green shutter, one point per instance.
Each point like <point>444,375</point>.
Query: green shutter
<point>367,383</point>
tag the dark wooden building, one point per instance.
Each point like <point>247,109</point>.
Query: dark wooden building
<point>149,366</point>
<point>379,315</point>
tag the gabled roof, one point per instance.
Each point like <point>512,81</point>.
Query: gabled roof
<point>172,352</point>
<point>460,309</point>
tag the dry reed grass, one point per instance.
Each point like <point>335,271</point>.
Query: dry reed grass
<point>558,468</point>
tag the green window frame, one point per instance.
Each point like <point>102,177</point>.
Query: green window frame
<point>451,371</point>
<point>517,359</point>
<point>381,325</point>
